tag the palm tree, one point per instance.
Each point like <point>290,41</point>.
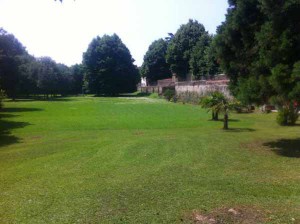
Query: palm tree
<point>210,102</point>
<point>217,103</point>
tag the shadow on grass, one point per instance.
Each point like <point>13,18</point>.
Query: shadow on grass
<point>135,95</point>
<point>7,115</point>
<point>240,130</point>
<point>285,147</point>
<point>17,110</point>
<point>229,120</point>
<point>126,95</point>
<point>40,98</point>
<point>6,138</point>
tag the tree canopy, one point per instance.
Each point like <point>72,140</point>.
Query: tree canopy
<point>181,47</point>
<point>155,66</point>
<point>109,66</point>
<point>259,48</point>
<point>23,74</point>
<point>11,52</point>
<point>192,50</point>
<point>203,62</point>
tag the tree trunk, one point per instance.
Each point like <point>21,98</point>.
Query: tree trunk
<point>225,121</point>
<point>216,116</point>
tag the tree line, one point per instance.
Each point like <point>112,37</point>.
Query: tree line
<point>107,68</point>
<point>22,74</point>
<point>191,50</point>
<point>258,47</point>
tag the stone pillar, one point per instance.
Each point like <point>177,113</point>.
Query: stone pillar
<point>174,77</point>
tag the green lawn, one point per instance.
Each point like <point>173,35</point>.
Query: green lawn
<point>141,160</point>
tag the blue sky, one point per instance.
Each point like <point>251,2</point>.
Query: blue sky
<point>64,30</point>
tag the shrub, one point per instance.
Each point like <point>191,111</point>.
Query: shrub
<point>169,94</point>
<point>287,116</point>
<point>282,117</point>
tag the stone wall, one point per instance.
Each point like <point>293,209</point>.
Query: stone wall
<point>203,87</point>
<point>199,87</point>
<point>150,89</point>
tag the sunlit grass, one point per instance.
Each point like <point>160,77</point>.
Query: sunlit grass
<point>141,160</point>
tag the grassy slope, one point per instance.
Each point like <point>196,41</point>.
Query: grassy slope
<point>139,161</point>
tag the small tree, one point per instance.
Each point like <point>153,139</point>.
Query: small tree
<point>218,103</point>
<point>210,102</point>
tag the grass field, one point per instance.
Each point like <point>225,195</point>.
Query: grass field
<point>141,160</point>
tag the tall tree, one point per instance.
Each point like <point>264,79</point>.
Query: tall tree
<point>10,52</point>
<point>109,66</point>
<point>181,47</point>
<point>203,62</point>
<point>212,65</point>
<point>155,66</point>
<point>48,76</point>
<point>259,49</point>
<point>28,78</point>
<point>77,72</point>
<point>65,79</point>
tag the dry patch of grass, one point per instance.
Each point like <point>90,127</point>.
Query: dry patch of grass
<point>238,215</point>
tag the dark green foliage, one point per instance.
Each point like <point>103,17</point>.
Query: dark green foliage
<point>77,72</point>
<point>253,90</point>
<point>198,61</point>
<point>285,82</point>
<point>29,69</point>
<point>282,117</point>
<point>203,61</point>
<point>212,66</point>
<point>236,44</point>
<point>10,52</point>
<point>109,66</point>
<point>169,94</point>
<point>22,75</point>
<point>48,76</point>
<point>192,50</point>
<point>259,48</point>
<point>181,47</point>
<point>155,66</point>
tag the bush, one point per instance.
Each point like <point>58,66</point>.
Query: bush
<point>287,116</point>
<point>282,117</point>
<point>169,95</point>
